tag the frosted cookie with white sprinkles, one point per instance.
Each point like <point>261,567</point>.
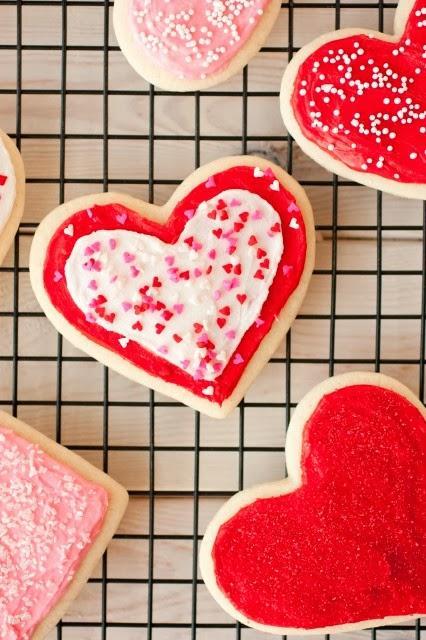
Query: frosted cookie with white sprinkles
<point>58,514</point>
<point>191,298</point>
<point>354,100</point>
<point>187,45</point>
<point>12,192</point>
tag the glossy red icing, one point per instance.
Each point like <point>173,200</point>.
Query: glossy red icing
<point>115,216</point>
<point>348,545</point>
<point>362,100</point>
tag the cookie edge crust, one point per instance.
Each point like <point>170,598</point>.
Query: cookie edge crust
<point>159,77</point>
<point>117,504</point>
<point>294,442</point>
<point>11,227</point>
<point>160,214</point>
<point>311,149</point>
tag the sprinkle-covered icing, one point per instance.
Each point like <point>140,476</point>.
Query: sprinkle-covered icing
<point>192,302</point>
<point>362,100</point>
<point>7,185</point>
<point>131,285</point>
<point>349,545</point>
<point>194,38</point>
<point>49,517</point>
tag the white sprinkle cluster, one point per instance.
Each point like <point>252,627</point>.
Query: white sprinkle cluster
<point>196,34</point>
<point>350,75</point>
<point>48,515</point>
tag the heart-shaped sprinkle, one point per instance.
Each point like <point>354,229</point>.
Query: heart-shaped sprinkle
<point>69,230</point>
<point>121,218</point>
<point>57,276</point>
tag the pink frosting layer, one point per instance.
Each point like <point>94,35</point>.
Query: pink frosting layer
<point>194,38</point>
<point>49,517</point>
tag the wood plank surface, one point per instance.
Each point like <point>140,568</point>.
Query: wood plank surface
<point>357,298</point>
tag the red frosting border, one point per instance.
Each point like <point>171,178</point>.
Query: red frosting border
<point>105,217</point>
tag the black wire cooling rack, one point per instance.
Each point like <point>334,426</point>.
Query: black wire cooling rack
<point>16,51</point>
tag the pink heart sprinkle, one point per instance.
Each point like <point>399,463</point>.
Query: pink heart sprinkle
<point>198,272</point>
<point>292,207</point>
<point>90,317</point>
<point>238,359</point>
<point>230,334</point>
<point>163,349</point>
<point>258,322</point>
<point>269,173</point>
<point>169,260</point>
<point>96,246</point>
<point>197,246</point>
<point>217,294</point>
<point>235,203</point>
<point>257,215</point>
<point>93,285</point>
<point>189,213</point>
<point>212,254</point>
<point>88,251</point>
<point>185,363</point>
<point>121,218</point>
<point>134,271</point>
<point>57,276</point>
<point>210,183</point>
<point>128,257</point>
<point>126,306</point>
<point>178,308</point>
<point>287,268</point>
<point>112,243</point>
<point>113,279</point>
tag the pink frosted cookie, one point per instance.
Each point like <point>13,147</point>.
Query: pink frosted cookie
<point>12,192</point>
<point>191,298</point>
<point>354,100</point>
<point>58,513</point>
<point>186,45</point>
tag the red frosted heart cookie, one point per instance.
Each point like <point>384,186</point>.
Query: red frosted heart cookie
<point>58,514</point>
<point>341,543</point>
<point>187,45</point>
<point>12,192</point>
<point>191,298</point>
<point>354,100</point>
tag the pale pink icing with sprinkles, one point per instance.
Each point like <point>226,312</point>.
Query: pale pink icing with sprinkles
<point>194,38</point>
<point>49,517</point>
<point>191,302</point>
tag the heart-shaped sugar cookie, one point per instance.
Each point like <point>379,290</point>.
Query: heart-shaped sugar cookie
<point>354,100</point>
<point>341,543</point>
<point>191,298</point>
<point>12,192</point>
<point>187,45</point>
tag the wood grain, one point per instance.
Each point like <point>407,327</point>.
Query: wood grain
<point>175,427</point>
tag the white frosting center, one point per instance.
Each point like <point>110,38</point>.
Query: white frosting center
<point>191,302</point>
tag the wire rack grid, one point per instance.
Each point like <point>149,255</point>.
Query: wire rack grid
<point>72,103</point>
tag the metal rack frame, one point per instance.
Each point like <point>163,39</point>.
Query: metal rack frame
<point>27,229</point>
